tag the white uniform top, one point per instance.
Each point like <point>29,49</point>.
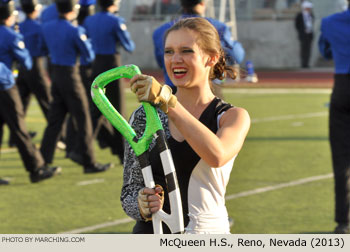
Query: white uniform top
<point>206,191</point>
<point>202,187</point>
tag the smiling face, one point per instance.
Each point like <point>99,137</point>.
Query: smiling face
<point>186,64</point>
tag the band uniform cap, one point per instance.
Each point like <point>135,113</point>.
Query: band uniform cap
<point>87,2</point>
<point>190,3</point>
<point>306,5</point>
<point>7,8</point>
<point>107,3</point>
<point>64,6</point>
<point>28,6</point>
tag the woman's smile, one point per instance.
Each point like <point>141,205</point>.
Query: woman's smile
<point>179,72</point>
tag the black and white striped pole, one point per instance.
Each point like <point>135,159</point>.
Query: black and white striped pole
<point>154,128</point>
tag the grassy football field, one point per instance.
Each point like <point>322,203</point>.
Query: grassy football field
<point>281,181</point>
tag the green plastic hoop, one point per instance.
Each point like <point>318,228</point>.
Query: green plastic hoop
<point>153,124</point>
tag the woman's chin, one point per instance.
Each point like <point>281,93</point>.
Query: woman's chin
<point>178,82</point>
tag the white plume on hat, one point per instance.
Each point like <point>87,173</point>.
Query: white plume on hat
<point>306,5</point>
<point>342,5</point>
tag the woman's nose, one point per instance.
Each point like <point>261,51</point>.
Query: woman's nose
<point>176,58</point>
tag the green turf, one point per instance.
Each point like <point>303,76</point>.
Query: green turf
<point>275,152</point>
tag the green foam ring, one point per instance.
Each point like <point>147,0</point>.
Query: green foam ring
<point>153,123</point>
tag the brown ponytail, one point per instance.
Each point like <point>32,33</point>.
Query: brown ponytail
<point>221,70</point>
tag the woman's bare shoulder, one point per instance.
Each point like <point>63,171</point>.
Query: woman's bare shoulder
<point>234,115</point>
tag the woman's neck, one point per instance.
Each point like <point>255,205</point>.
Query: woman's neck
<point>195,99</point>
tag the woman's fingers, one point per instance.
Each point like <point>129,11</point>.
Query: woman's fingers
<point>151,199</point>
<point>147,190</point>
<point>154,201</point>
<point>155,204</point>
<point>138,86</point>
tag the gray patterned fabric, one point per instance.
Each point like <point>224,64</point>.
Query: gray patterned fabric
<point>133,180</point>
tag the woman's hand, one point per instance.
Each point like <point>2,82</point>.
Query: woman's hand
<point>148,89</point>
<point>150,201</point>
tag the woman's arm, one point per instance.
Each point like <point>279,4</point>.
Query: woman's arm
<point>215,150</point>
<point>133,182</point>
<point>132,177</point>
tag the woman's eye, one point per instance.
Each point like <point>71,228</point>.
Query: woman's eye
<point>187,51</point>
<point>168,51</point>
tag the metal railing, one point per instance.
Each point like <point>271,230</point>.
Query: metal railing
<point>138,10</point>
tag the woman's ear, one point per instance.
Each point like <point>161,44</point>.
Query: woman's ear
<point>212,60</point>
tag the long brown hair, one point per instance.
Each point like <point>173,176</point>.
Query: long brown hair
<point>208,41</point>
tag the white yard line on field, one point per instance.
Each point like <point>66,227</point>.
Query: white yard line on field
<point>5,151</point>
<point>89,182</point>
<point>229,197</point>
<point>289,117</point>
<point>279,186</point>
<point>277,90</point>
<point>98,226</point>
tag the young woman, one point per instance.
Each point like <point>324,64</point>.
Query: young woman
<point>204,133</point>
